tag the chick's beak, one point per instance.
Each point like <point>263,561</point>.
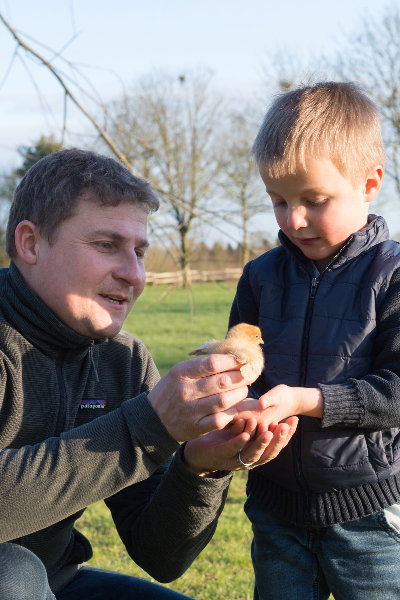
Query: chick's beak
<point>261,341</point>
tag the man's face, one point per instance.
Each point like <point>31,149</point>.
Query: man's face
<point>93,273</point>
<point>317,208</point>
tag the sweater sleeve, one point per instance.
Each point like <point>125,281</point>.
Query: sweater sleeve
<point>373,401</point>
<point>52,480</point>
<point>166,520</point>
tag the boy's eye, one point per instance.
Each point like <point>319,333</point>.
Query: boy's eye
<point>316,202</point>
<point>277,202</point>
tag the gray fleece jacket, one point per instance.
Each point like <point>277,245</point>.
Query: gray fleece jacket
<point>68,440</point>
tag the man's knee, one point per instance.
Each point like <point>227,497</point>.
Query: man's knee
<point>22,575</point>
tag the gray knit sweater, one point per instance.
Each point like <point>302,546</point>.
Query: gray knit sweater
<point>69,440</point>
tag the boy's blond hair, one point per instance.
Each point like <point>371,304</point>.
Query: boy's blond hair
<point>326,120</point>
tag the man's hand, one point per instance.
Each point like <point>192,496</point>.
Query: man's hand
<point>191,399</point>
<point>217,451</point>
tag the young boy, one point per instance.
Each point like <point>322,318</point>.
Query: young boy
<point>324,512</point>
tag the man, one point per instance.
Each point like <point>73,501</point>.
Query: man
<point>83,413</point>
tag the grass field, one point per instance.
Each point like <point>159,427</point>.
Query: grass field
<point>223,570</point>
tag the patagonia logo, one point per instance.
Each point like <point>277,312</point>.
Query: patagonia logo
<point>92,404</point>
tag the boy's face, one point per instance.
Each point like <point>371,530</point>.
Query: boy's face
<point>318,209</point>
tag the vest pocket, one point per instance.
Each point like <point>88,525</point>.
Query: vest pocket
<point>387,440</point>
<point>380,448</point>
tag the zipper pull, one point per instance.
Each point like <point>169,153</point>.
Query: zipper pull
<point>314,285</point>
<point>92,361</point>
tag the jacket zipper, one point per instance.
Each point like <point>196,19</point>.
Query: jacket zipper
<point>63,396</point>
<point>315,281</point>
<point>91,359</point>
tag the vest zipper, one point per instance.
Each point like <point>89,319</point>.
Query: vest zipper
<point>92,360</point>
<point>314,285</point>
<point>315,281</point>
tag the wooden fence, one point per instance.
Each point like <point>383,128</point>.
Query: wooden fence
<point>193,276</point>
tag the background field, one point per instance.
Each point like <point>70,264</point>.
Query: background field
<point>223,570</point>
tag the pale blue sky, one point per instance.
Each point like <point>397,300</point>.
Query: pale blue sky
<point>231,37</point>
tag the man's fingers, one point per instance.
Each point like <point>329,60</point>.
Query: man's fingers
<point>204,366</point>
<point>213,408</point>
<point>281,437</point>
<point>237,427</point>
<point>253,452</point>
<point>215,384</point>
<point>233,446</point>
<point>251,427</point>
<point>222,402</point>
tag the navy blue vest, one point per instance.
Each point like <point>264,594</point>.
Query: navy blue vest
<point>320,329</point>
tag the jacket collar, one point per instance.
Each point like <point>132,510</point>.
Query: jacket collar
<point>26,313</point>
<point>373,233</point>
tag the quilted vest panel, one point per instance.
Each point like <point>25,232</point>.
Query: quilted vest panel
<point>328,338</point>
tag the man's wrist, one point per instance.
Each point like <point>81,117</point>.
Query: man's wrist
<point>198,471</point>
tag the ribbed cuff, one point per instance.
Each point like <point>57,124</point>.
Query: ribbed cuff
<point>342,405</point>
<point>212,483</point>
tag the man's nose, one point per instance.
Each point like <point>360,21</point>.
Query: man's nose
<point>129,269</point>
<point>297,218</point>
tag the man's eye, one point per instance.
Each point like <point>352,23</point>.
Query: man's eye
<point>105,245</point>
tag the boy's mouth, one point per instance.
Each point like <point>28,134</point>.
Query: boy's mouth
<point>307,241</point>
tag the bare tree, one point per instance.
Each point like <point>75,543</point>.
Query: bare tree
<point>169,130</point>
<point>239,179</point>
<point>372,59</point>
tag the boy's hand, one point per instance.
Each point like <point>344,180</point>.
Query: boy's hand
<point>283,401</point>
<point>280,403</point>
<point>217,451</point>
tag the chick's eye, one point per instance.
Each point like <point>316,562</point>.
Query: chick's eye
<point>256,334</point>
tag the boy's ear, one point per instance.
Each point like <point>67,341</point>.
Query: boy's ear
<point>373,183</point>
<point>26,236</point>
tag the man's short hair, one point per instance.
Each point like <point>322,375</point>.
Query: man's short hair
<point>48,193</point>
<point>326,120</point>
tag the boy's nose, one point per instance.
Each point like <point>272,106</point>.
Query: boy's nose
<point>296,218</point>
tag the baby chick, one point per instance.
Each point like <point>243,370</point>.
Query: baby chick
<point>242,341</point>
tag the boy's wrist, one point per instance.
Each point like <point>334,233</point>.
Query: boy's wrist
<point>309,402</point>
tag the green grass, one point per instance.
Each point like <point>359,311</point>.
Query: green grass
<point>223,570</point>
<point>165,328</point>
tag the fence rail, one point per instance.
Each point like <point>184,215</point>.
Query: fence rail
<point>193,276</point>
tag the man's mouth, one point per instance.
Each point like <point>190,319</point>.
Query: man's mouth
<point>114,299</point>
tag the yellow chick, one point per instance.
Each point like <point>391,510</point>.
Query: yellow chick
<point>243,342</point>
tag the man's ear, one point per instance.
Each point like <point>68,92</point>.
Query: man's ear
<point>373,183</point>
<point>26,236</point>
